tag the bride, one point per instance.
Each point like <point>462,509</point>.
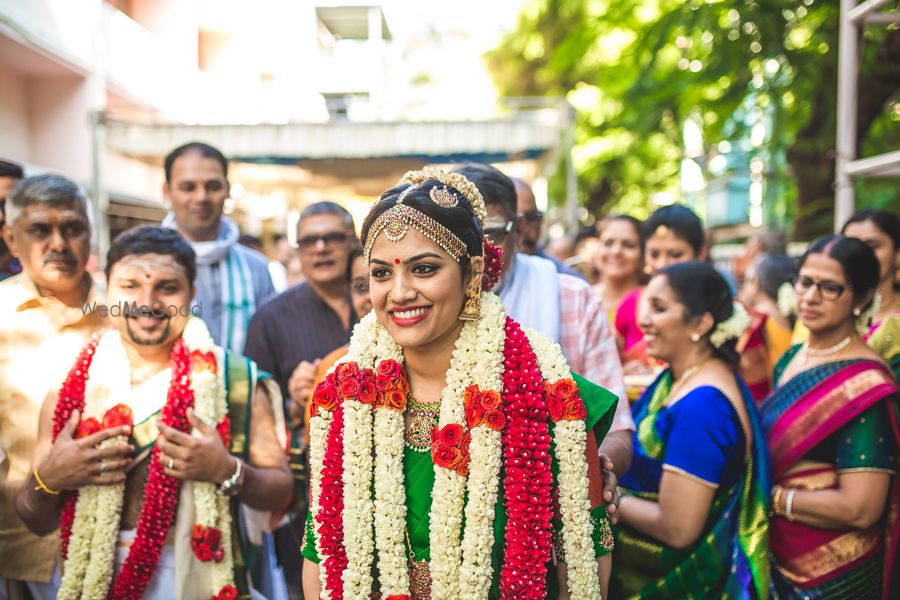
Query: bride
<point>452,454</point>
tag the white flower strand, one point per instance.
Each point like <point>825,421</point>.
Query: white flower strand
<point>319,426</point>
<point>448,495</point>
<point>570,441</point>
<point>358,515</point>
<point>390,491</point>
<point>486,453</point>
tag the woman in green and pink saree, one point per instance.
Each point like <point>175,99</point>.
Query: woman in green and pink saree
<point>833,437</point>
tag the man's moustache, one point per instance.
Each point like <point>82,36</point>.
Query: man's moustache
<point>63,256</point>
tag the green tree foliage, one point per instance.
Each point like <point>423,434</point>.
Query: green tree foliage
<point>637,70</point>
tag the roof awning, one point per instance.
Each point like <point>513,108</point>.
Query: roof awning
<point>522,136</point>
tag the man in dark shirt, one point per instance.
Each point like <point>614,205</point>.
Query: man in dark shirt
<point>289,335</point>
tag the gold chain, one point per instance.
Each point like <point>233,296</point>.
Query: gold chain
<point>686,376</point>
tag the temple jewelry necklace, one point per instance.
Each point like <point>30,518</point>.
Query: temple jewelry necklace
<point>424,419</point>
<point>818,352</point>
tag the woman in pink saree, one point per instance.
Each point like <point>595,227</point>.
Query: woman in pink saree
<point>832,433</point>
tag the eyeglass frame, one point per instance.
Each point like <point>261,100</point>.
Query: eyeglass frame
<point>332,239</point>
<point>532,216</point>
<point>507,229</point>
<point>818,285</point>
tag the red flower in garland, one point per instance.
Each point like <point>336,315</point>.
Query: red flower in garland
<point>527,482</point>
<point>229,592</point>
<point>391,385</point>
<point>87,427</point>
<point>331,502</point>
<point>398,597</point>
<point>483,407</point>
<point>450,448</point>
<point>118,415</point>
<point>368,394</point>
<point>224,429</point>
<point>325,397</point>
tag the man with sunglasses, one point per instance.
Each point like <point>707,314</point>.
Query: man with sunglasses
<point>232,280</point>
<point>291,334</point>
<point>530,221</point>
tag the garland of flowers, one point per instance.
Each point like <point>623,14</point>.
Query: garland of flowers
<point>211,532</point>
<point>527,483</point>
<point>569,440</point>
<point>90,518</point>
<point>477,428</point>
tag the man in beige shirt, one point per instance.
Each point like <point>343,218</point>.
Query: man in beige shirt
<point>46,320</point>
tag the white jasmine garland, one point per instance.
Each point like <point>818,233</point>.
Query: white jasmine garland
<point>570,442</point>
<point>731,328</point>
<point>318,435</point>
<point>486,453</point>
<point>390,491</point>
<point>358,504</point>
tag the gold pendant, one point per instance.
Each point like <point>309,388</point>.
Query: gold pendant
<point>418,434</point>
<point>419,580</point>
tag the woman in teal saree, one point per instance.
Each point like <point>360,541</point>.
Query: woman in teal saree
<point>693,522</point>
<point>832,433</point>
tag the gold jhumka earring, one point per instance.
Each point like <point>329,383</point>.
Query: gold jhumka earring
<point>472,308</point>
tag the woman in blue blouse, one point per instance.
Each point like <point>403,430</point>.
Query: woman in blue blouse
<point>693,518</point>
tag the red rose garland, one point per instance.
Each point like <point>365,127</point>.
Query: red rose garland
<point>493,266</point>
<point>331,502</point>
<point>527,482</point>
<point>160,492</point>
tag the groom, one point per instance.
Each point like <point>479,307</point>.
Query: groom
<point>152,267</point>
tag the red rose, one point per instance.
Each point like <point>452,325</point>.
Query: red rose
<point>490,400</point>
<point>474,415</point>
<point>349,388</point>
<point>471,395</point>
<point>219,554</point>
<point>348,370</point>
<point>117,416</point>
<point>555,407</point>
<point>198,531</point>
<point>367,392</point>
<point>213,537</point>
<point>203,552</point>
<point>389,368</point>
<point>229,592</point>
<point>575,410</point>
<point>383,382</point>
<point>495,419</point>
<point>394,399</point>
<point>331,379</point>
<point>87,427</point>
<point>224,429</point>
<point>325,396</point>
<point>447,457</point>
<point>565,388</point>
<point>451,434</point>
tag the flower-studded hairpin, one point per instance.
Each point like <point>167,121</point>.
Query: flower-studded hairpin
<point>443,197</point>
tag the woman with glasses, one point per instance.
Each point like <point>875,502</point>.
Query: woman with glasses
<point>832,433</point>
<point>693,517</point>
<point>620,260</point>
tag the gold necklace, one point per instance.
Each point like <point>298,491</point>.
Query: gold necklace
<point>686,376</point>
<point>419,574</point>
<point>424,419</point>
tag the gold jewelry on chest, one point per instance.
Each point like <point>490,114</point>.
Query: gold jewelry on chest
<point>424,418</point>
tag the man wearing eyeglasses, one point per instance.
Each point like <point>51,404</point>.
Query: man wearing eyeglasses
<point>530,221</point>
<point>290,335</point>
<point>232,280</point>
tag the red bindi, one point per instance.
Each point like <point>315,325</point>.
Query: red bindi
<point>396,261</point>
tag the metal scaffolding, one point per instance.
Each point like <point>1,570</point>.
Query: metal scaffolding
<point>853,20</point>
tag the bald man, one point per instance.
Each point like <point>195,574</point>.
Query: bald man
<point>530,221</point>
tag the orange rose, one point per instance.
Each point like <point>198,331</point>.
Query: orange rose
<point>474,414</point>
<point>575,410</point>
<point>490,400</point>
<point>203,361</point>
<point>325,397</point>
<point>471,394</point>
<point>564,388</point>
<point>394,399</point>
<point>87,427</point>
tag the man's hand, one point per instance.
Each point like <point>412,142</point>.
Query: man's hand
<point>190,458</point>
<point>610,488</point>
<point>72,463</point>
<point>300,385</point>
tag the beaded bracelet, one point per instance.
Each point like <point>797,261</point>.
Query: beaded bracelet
<point>41,485</point>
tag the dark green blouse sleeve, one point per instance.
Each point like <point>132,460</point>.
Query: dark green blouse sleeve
<point>867,442</point>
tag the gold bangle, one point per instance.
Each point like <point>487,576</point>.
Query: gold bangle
<point>41,485</point>
<point>777,491</point>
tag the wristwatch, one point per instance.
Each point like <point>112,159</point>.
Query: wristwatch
<point>231,487</point>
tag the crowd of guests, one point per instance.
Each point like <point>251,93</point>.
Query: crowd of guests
<point>754,447</point>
